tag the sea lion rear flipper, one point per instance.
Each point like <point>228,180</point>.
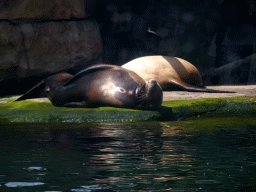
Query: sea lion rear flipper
<point>89,70</point>
<point>35,92</point>
<point>192,88</point>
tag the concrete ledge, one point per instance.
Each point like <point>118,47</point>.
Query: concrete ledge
<point>241,90</point>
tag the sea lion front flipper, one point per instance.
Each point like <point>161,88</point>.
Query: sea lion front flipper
<point>81,104</point>
<point>89,70</point>
<point>187,87</point>
<point>35,92</point>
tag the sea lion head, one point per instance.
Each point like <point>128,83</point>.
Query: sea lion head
<point>149,96</point>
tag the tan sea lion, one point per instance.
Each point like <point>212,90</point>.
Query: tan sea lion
<point>99,85</point>
<point>172,73</point>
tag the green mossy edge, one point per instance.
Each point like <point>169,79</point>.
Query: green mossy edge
<point>41,112</point>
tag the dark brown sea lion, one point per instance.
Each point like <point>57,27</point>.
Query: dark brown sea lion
<point>172,73</point>
<point>99,85</point>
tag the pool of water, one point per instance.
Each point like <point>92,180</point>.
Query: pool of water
<point>154,156</point>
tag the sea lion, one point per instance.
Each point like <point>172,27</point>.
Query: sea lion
<point>99,85</point>
<point>172,73</point>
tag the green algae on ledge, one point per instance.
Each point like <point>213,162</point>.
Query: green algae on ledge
<point>214,107</point>
<point>208,123</point>
<point>33,111</point>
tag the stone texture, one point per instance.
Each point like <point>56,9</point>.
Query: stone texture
<point>42,48</point>
<point>11,49</point>
<point>239,72</point>
<point>252,70</point>
<point>46,9</point>
<point>38,38</point>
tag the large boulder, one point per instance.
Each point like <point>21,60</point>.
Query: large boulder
<point>46,9</point>
<point>39,48</point>
<point>39,38</point>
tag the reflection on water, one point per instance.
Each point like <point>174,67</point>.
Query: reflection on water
<point>23,184</point>
<point>117,157</point>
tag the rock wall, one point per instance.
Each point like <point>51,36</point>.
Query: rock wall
<point>38,38</point>
<point>240,72</point>
<point>46,9</point>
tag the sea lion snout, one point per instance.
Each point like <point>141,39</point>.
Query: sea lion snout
<point>152,85</point>
<point>152,81</point>
<point>154,94</point>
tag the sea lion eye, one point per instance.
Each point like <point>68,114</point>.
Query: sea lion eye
<point>47,89</point>
<point>122,90</point>
<point>143,89</point>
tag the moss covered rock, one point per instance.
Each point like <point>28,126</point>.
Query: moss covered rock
<point>41,110</point>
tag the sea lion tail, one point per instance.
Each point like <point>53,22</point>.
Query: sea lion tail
<point>192,88</point>
<point>214,91</point>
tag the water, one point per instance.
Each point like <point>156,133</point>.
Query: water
<point>131,157</point>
